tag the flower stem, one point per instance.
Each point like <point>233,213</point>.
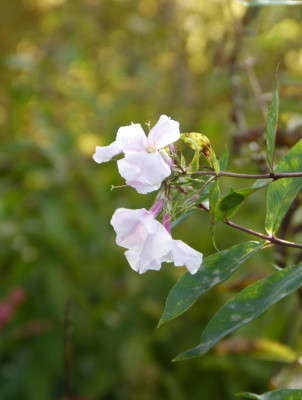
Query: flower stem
<point>270,239</point>
<point>271,175</point>
<point>273,240</point>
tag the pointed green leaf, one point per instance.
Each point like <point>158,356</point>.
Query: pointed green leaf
<point>261,183</point>
<point>194,164</point>
<point>214,200</point>
<point>283,394</point>
<point>271,127</point>
<point>248,395</point>
<point>188,210</point>
<point>214,269</point>
<point>282,192</point>
<point>181,218</point>
<point>182,161</point>
<point>223,160</point>
<point>246,306</point>
<point>216,167</point>
<point>229,204</point>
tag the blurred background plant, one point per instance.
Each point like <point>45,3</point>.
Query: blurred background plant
<point>73,72</point>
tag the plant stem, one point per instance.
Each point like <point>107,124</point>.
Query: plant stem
<point>270,239</point>
<point>273,240</point>
<point>271,175</point>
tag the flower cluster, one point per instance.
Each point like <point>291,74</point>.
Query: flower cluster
<point>146,164</point>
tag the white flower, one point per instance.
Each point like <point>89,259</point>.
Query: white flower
<point>145,164</point>
<point>145,238</point>
<point>149,243</point>
<point>183,254</point>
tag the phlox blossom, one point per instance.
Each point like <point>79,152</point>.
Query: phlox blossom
<point>149,243</point>
<point>145,164</point>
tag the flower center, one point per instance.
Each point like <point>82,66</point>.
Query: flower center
<point>151,149</point>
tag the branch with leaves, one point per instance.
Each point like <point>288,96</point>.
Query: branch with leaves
<point>155,163</point>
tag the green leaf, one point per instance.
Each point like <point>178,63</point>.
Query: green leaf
<point>271,127</point>
<point>261,183</point>
<point>181,218</point>
<point>194,139</point>
<point>216,167</point>
<point>223,160</point>
<point>214,270</point>
<point>228,205</point>
<point>188,205</point>
<point>194,164</point>
<point>282,192</point>
<point>246,306</point>
<point>231,202</point>
<point>182,161</point>
<point>283,394</point>
<point>206,191</point>
<point>214,200</point>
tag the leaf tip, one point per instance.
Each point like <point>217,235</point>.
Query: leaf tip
<point>247,395</point>
<point>177,358</point>
<point>161,322</point>
<point>182,356</point>
<point>276,73</point>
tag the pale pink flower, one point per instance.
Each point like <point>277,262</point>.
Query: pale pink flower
<point>145,164</point>
<point>149,243</point>
<point>184,255</point>
<point>145,238</point>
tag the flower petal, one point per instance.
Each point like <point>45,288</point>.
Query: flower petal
<point>132,227</point>
<point>157,244</point>
<point>165,132</point>
<point>168,160</point>
<point>105,153</point>
<point>144,171</point>
<point>140,265</point>
<point>130,167</point>
<point>143,188</point>
<point>131,138</point>
<point>149,243</point>
<point>146,239</point>
<point>185,255</point>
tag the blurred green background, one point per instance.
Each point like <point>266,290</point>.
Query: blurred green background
<point>73,72</point>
